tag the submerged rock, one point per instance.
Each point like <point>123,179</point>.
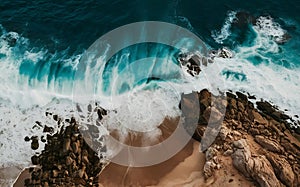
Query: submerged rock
<point>191,62</point>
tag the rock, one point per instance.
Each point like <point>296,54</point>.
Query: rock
<point>27,139</point>
<point>241,144</point>
<point>89,107</point>
<point>35,160</point>
<point>242,96</point>
<point>34,143</point>
<point>204,95</point>
<point>258,168</point>
<point>270,145</point>
<point>69,161</point>
<point>75,147</point>
<point>66,144</point>
<point>222,53</point>
<point>224,132</point>
<point>254,131</point>
<point>191,62</point>
<point>257,117</point>
<point>55,117</point>
<point>241,106</point>
<point>210,153</point>
<point>212,115</point>
<point>282,168</point>
<point>209,168</point>
<point>54,173</point>
<point>62,162</point>
<point>243,19</point>
<point>199,132</point>
<point>233,103</point>
<point>230,95</point>
<point>48,129</point>
<point>228,152</point>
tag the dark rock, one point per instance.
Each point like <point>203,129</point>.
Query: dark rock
<point>89,107</point>
<point>251,96</point>
<point>242,96</point>
<point>265,107</point>
<point>204,95</point>
<point>34,143</point>
<point>35,160</point>
<point>243,19</point>
<point>254,131</point>
<point>27,139</point>
<point>55,117</point>
<point>38,123</point>
<point>78,108</point>
<point>62,159</point>
<point>230,95</point>
<point>191,62</point>
<point>48,129</point>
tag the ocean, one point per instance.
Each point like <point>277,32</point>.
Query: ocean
<point>42,44</point>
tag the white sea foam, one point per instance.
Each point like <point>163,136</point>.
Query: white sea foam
<point>139,109</point>
<point>224,33</point>
<point>265,25</point>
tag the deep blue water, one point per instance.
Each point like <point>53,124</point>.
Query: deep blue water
<point>59,25</point>
<point>54,34</point>
<point>42,44</point>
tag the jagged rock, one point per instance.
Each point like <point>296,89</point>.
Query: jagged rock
<point>66,145</point>
<point>222,53</point>
<point>241,106</point>
<point>228,152</point>
<point>256,117</point>
<point>282,168</point>
<point>191,62</point>
<point>270,145</point>
<point>242,96</point>
<point>258,168</point>
<point>254,132</point>
<point>212,115</point>
<point>34,143</point>
<point>224,132</point>
<point>209,168</point>
<point>62,162</point>
<point>210,153</point>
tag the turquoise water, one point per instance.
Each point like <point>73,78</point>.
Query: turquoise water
<point>42,44</point>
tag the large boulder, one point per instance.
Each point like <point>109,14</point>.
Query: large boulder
<point>282,168</point>
<point>256,167</point>
<point>270,145</point>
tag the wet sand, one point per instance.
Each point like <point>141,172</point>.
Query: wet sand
<point>183,168</point>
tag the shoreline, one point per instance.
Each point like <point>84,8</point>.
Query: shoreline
<point>260,134</point>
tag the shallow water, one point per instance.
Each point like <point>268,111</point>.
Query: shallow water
<point>41,45</point>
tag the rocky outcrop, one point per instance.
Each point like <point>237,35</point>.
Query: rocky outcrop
<point>256,167</point>
<point>270,145</point>
<point>67,159</point>
<point>261,141</point>
<point>282,168</point>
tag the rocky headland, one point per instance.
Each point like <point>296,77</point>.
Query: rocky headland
<point>256,145</point>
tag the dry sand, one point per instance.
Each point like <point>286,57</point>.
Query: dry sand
<point>183,169</point>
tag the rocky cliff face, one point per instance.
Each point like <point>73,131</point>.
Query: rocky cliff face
<point>261,143</point>
<point>240,142</point>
